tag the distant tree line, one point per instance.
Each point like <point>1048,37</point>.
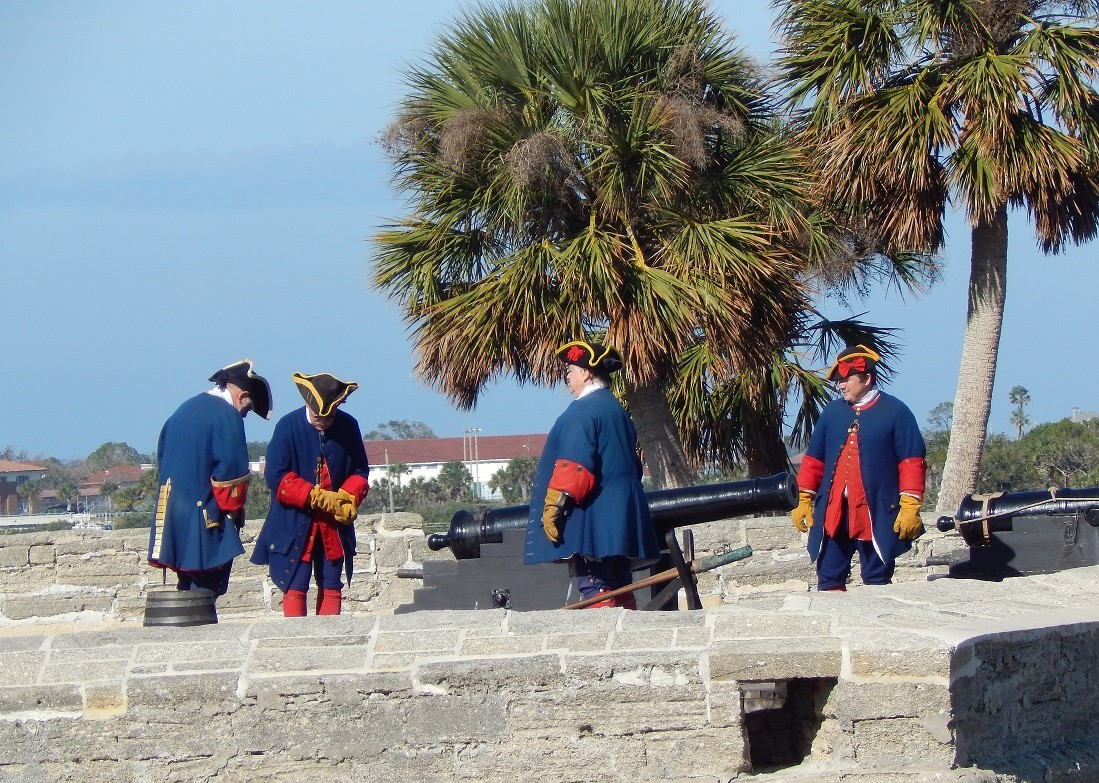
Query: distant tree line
<point>1054,454</point>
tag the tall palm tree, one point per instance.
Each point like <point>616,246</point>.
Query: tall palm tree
<point>989,104</point>
<point>1020,398</point>
<point>607,168</point>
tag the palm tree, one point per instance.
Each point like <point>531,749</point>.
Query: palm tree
<point>601,168</point>
<point>1020,398</point>
<point>915,104</point>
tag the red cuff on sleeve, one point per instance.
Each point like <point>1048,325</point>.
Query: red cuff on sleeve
<point>573,478</point>
<point>231,495</point>
<point>294,490</point>
<point>357,486</point>
<point>912,472</point>
<point>810,474</point>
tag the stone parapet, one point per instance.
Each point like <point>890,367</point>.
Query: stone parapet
<point>941,680</point>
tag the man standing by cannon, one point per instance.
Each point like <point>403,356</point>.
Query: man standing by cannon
<point>318,474</point>
<point>861,482</point>
<point>202,463</point>
<point>588,507</point>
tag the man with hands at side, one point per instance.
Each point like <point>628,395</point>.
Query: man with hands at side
<point>861,481</point>
<point>318,474</point>
<point>588,508</point>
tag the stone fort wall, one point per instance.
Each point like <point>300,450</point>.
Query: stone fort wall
<point>927,679</point>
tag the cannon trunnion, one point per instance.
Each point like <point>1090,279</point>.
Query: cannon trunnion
<point>488,569</point>
<point>1028,532</point>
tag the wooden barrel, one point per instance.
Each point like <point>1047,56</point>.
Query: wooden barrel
<point>180,607</point>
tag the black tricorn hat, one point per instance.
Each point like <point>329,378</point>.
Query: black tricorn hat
<point>591,356</point>
<point>323,392</point>
<point>241,374</point>
<point>854,359</point>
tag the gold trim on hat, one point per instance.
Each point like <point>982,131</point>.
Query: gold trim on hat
<point>306,381</point>
<point>607,351</point>
<point>859,350</point>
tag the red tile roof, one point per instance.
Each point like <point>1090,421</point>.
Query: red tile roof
<point>119,474</point>
<point>489,448</point>
<point>10,466</point>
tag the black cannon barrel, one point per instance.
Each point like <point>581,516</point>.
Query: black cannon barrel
<point>980,515</point>
<point>669,508</point>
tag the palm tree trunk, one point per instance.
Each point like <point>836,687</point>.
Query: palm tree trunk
<point>658,437</point>
<point>764,452</point>
<point>980,348</point>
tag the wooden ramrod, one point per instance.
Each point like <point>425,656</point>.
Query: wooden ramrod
<point>669,509</point>
<point>979,516</point>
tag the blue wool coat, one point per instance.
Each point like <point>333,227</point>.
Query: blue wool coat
<point>594,431</point>
<point>203,440</point>
<point>294,447</point>
<point>888,434</point>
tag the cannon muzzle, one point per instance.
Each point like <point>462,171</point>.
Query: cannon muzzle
<point>669,508</point>
<point>979,516</point>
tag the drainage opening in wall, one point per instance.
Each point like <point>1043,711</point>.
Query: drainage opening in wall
<point>781,719</point>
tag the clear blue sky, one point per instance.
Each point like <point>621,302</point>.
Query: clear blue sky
<point>186,184</point>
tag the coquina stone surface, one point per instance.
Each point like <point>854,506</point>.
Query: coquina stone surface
<point>928,679</point>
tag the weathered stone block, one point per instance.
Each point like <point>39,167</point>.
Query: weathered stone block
<point>500,645</point>
<point>577,642</point>
<point>92,545</point>
<point>698,755</point>
<point>531,672</point>
<point>14,557</point>
<point>899,742</point>
<point>693,637</point>
<point>74,656</point>
<point>42,554</point>
<point>898,654</point>
<point>40,702</point>
<point>23,643</point>
<point>433,719</point>
<point>451,619</point>
<point>397,521</point>
<point>441,641</point>
<point>22,668</point>
<point>121,567</point>
<point>23,608</point>
<point>642,640</point>
<point>771,659</point>
<point>103,701</point>
<point>85,671</point>
<point>301,658</point>
<point>183,652</point>
<point>868,700</point>
<point>555,621</point>
<point>202,693</point>
<point>769,625</point>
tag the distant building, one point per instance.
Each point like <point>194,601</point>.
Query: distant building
<point>482,455</point>
<point>1079,415</point>
<point>90,489</point>
<point>122,476</point>
<point>12,474</point>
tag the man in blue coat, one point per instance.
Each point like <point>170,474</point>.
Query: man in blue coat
<point>318,475</point>
<point>588,507</point>
<point>865,472</point>
<point>202,464</point>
